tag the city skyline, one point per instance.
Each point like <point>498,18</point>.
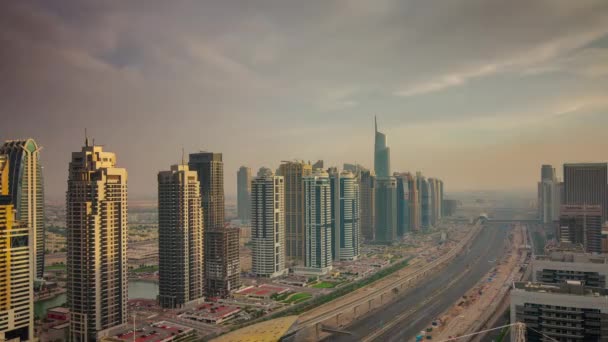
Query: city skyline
<point>505,94</point>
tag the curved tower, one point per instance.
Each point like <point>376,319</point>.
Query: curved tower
<point>382,161</point>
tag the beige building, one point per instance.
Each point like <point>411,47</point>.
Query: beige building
<point>295,236</point>
<point>96,215</point>
<point>180,237</point>
<point>17,273</point>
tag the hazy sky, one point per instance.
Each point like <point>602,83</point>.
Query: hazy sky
<point>476,92</point>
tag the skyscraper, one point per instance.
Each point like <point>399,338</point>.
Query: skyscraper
<point>415,210</point>
<point>222,263</point>
<point>243,186</point>
<point>27,192</point>
<point>96,243</point>
<point>180,237</point>
<point>317,199</point>
<point>345,215</point>
<point>586,184</point>
<point>210,169</point>
<point>367,186</point>
<point>386,191</point>
<point>403,204</point>
<point>425,202</point>
<point>295,235</point>
<point>433,194</point>
<point>549,195</point>
<point>268,224</point>
<point>581,224</point>
<point>17,280</point>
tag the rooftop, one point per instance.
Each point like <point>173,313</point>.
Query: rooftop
<point>155,332</point>
<point>559,256</point>
<point>271,330</point>
<point>571,287</point>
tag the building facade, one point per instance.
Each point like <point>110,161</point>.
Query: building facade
<point>97,235</point>
<point>568,311</point>
<point>17,281</point>
<point>293,173</point>
<point>386,210</point>
<point>581,224</point>
<point>27,192</point>
<point>268,224</point>
<point>367,187</point>
<point>403,204</point>
<point>415,210</point>
<point>425,202</point>
<point>243,188</point>
<point>317,199</point>
<point>345,215</point>
<point>586,184</point>
<point>222,263</point>
<point>180,237</point>
<point>559,266</point>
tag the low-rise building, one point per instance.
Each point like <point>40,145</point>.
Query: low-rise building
<point>155,332</point>
<point>263,291</point>
<point>557,267</point>
<point>569,311</point>
<point>213,313</point>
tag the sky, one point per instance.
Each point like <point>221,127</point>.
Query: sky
<point>478,93</point>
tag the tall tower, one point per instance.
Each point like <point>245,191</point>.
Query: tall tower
<point>425,202</point>
<point>268,224</point>
<point>345,216</point>
<point>586,184</point>
<point>317,197</point>
<point>415,210</point>
<point>17,280</point>
<point>96,215</point>
<point>27,192</point>
<point>210,169</point>
<point>386,191</point>
<point>180,237</point>
<point>367,186</point>
<point>403,204</point>
<point>222,263</point>
<point>382,159</point>
<point>295,236</point>
<point>243,186</point>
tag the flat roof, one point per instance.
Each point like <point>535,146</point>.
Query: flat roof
<point>271,330</point>
<point>154,332</point>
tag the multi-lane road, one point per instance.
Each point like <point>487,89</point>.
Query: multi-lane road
<point>403,318</point>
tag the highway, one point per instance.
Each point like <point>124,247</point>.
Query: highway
<point>404,318</point>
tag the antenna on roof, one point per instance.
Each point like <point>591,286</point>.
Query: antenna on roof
<point>86,138</point>
<point>375,123</point>
<point>183,160</point>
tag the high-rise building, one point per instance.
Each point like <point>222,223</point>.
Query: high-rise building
<point>27,192</point>
<point>317,199</point>
<point>295,234</point>
<point>268,224</point>
<point>210,169</point>
<point>586,184</point>
<point>415,210</point>
<point>549,195</point>
<point>559,266</point>
<point>434,199</point>
<point>17,280</point>
<point>440,199</point>
<point>569,311</point>
<point>345,217</point>
<point>425,202</point>
<point>243,187</point>
<point>367,187</point>
<point>386,210</point>
<point>581,224</point>
<point>222,263</point>
<point>386,191</point>
<point>403,203</point>
<point>318,165</point>
<point>97,234</point>
<point>180,237</point>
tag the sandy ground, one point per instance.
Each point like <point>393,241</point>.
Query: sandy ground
<point>480,302</point>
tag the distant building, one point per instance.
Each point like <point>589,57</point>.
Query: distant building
<point>268,224</point>
<point>569,311</point>
<point>549,195</point>
<point>558,267</point>
<point>222,263</point>
<point>586,184</point>
<point>17,285</point>
<point>581,224</point>
<point>425,202</point>
<point>293,173</point>
<point>449,207</point>
<point>317,199</point>
<point>386,210</point>
<point>367,187</point>
<point>180,237</point>
<point>403,203</point>
<point>415,203</point>
<point>317,165</point>
<point>345,217</point>
<point>244,193</point>
<point>382,159</point>
<point>97,235</point>
<point>25,180</point>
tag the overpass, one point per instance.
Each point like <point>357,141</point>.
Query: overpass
<point>485,218</point>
